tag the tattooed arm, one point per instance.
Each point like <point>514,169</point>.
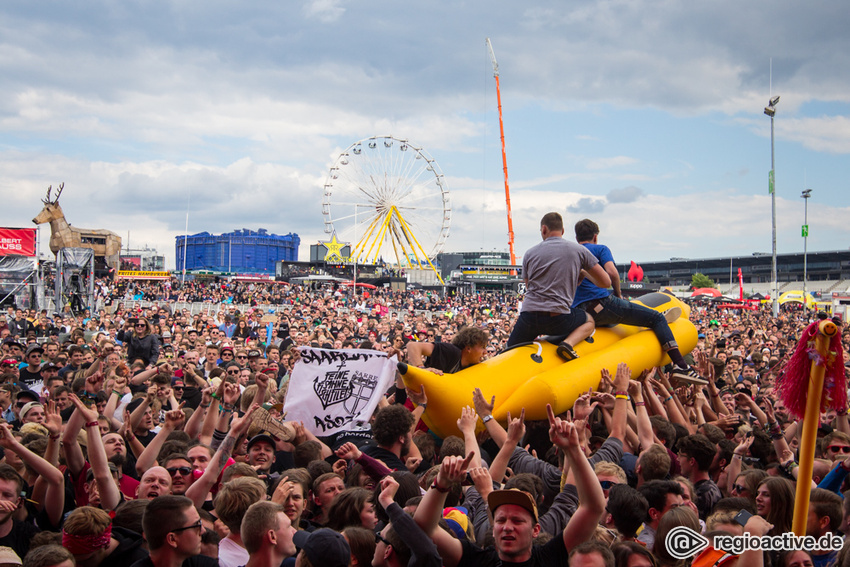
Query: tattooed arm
<point>199,489</point>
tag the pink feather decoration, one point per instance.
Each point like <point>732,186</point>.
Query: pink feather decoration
<point>793,380</point>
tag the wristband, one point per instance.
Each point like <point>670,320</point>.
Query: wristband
<point>206,406</point>
<point>737,456</point>
<point>215,396</point>
<point>621,393</point>
<point>640,404</point>
<point>224,409</point>
<point>621,397</point>
<point>438,488</point>
<point>486,418</point>
<point>117,393</point>
<point>54,437</point>
<point>92,423</point>
<point>423,406</point>
<point>667,399</point>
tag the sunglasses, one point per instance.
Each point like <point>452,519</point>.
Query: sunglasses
<point>226,354</point>
<point>234,372</point>
<point>839,449</point>
<point>738,488</point>
<point>198,526</point>
<point>607,484</point>
<point>242,357</point>
<point>185,471</point>
<point>177,388</point>
<point>380,539</point>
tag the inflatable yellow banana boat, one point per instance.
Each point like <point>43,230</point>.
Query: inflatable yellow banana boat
<point>532,375</point>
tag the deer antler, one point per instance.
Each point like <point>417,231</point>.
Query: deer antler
<point>47,200</point>
<point>59,192</point>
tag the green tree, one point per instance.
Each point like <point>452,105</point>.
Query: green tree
<point>699,280</point>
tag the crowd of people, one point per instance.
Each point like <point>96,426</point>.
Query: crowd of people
<point>129,438</point>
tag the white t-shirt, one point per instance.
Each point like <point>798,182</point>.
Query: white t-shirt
<point>231,554</point>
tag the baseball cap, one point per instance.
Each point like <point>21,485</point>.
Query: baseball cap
<point>28,407</point>
<point>254,353</point>
<point>9,557</point>
<point>28,394</point>
<point>512,496</point>
<point>262,437</point>
<point>34,348</point>
<point>324,547</point>
<point>227,347</point>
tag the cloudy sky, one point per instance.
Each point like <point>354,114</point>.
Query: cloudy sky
<point>644,116</point>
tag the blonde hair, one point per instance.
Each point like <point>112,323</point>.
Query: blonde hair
<point>610,469</point>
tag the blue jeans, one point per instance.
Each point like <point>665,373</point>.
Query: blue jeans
<point>616,311</point>
<point>532,324</point>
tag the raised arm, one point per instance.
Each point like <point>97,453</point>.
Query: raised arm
<point>516,429</point>
<point>485,410</point>
<point>644,426</point>
<point>110,496</point>
<point>199,489</point>
<point>430,509</point>
<point>583,523</point>
<point>466,423</point>
<point>54,495</point>
<point>173,421</point>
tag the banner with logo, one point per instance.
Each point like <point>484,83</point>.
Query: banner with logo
<point>20,241</point>
<point>337,390</point>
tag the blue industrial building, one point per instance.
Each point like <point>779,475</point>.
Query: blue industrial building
<point>241,251</point>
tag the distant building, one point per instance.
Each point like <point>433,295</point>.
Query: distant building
<point>756,268</point>
<point>241,251</point>
<point>142,260</point>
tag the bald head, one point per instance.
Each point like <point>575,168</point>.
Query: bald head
<point>155,482</point>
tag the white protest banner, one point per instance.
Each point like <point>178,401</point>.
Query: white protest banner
<point>337,390</point>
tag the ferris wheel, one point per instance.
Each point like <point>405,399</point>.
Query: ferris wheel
<point>390,200</point>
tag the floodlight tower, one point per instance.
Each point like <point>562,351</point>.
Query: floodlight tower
<point>770,110</point>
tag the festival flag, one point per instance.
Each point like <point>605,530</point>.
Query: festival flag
<point>337,390</point>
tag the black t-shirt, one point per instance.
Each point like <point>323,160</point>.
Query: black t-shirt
<point>445,357</point>
<point>387,457</point>
<point>30,378</point>
<point>552,553</point>
<point>19,538</point>
<point>195,561</point>
<point>129,550</point>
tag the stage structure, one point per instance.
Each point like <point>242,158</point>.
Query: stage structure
<point>74,282</point>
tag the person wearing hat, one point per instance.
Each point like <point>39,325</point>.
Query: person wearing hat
<point>256,361</point>
<point>31,373</point>
<point>322,548</point>
<point>8,557</point>
<point>32,412</point>
<point>515,517</point>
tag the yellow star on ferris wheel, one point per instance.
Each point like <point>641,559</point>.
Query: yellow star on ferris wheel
<point>334,249</point>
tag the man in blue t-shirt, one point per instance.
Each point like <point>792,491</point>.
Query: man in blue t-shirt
<point>609,308</point>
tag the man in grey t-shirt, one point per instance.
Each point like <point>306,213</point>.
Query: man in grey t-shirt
<point>552,270</point>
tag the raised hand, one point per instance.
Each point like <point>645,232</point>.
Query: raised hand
<point>52,419</point>
<point>389,487</point>
<point>621,379</point>
<point>482,408</point>
<point>348,451</point>
<point>89,413</point>
<point>174,419</point>
<point>452,470</point>
<point>583,408</point>
<point>419,398</point>
<point>516,428</point>
<point>467,421</point>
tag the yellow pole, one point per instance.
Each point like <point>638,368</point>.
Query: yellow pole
<point>811,420</point>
